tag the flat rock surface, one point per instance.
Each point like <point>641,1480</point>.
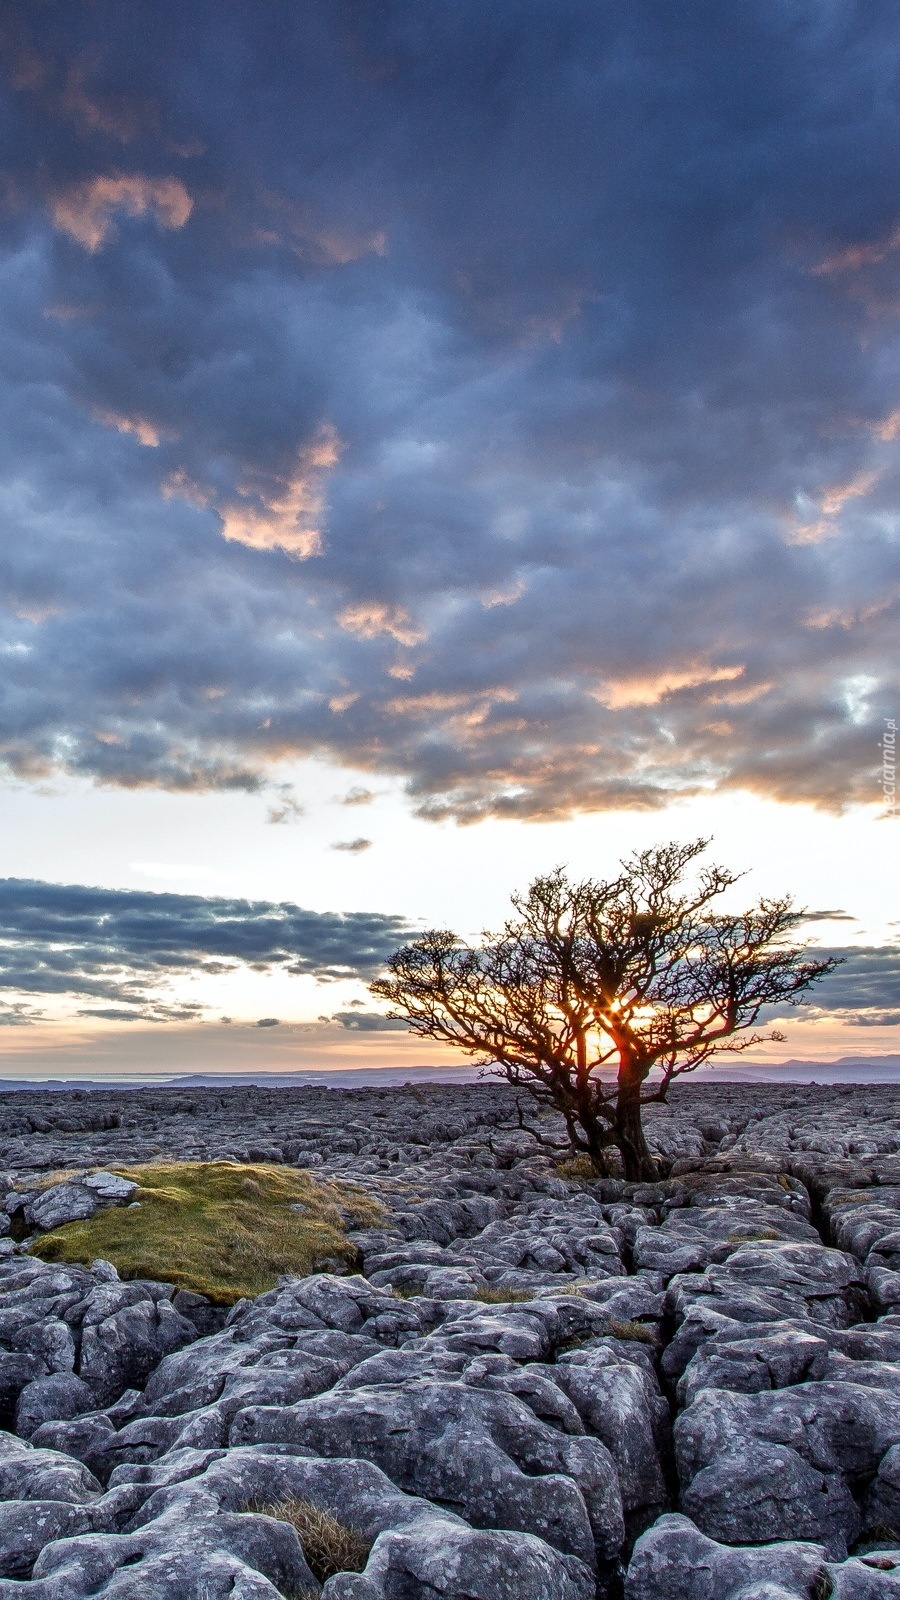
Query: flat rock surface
<point>530,1387</point>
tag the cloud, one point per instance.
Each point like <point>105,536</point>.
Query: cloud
<point>443,412</point>
<point>369,618</point>
<point>18,1016</point>
<point>86,212</point>
<point>861,991</point>
<point>146,432</point>
<point>353,847</point>
<point>369,1022</point>
<point>851,257</point>
<point>153,1012</point>
<point>867,979</point>
<point>831,915</point>
<point>287,808</point>
<point>123,946</point>
<point>288,517</point>
<point>118,950</point>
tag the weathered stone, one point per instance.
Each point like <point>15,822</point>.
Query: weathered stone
<point>29,1473</point>
<point>62,1203</point>
<point>674,1561</point>
<point>54,1398</point>
<point>762,1466</point>
<point>26,1526</point>
<point>539,1420</point>
<point>481,1452</point>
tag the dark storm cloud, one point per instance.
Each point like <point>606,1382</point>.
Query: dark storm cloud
<point>868,979</point>
<point>500,396</point>
<point>120,948</point>
<point>121,945</point>
<point>863,990</point>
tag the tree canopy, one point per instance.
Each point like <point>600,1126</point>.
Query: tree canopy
<point>596,995</point>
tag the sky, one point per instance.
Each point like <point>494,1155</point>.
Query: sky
<point>438,442</point>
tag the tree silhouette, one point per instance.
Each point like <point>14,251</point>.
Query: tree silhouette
<point>596,995</point>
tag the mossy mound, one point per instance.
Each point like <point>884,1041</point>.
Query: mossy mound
<point>221,1228</point>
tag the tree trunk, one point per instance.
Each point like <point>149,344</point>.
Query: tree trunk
<point>599,1153</point>
<point>637,1161</point>
<point>593,1133</point>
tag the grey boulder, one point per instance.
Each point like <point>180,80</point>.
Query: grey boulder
<point>675,1561</point>
<point>435,1559</point>
<point>62,1203</point>
<point>26,1526</point>
<point>765,1466</point>
<point>55,1398</point>
<point>479,1452</point>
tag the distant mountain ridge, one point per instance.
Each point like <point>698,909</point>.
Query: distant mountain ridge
<point>846,1069</point>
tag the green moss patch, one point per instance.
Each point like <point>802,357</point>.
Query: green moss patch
<point>220,1228</point>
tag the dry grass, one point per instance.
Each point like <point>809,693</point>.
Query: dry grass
<point>578,1167</point>
<point>823,1586</point>
<point>640,1332</point>
<point>502,1297</point>
<point>328,1545</point>
<point>220,1228</point>
<point>751,1235</point>
<point>490,1297</point>
<point>409,1291</point>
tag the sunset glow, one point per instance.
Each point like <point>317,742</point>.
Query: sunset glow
<point>433,452</point>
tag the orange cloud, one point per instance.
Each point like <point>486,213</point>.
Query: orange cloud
<point>650,689</point>
<point>507,596</point>
<point>116,117</point>
<point>831,502</point>
<point>846,617</point>
<point>340,703</point>
<point>86,212</point>
<point>36,614</point>
<point>288,518</point>
<point>286,514</point>
<point>369,618</point>
<point>146,432</point>
<point>854,256</point>
<point>181,487</point>
<point>463,716</point>
<point>889,429</point>
<point>326,244</point>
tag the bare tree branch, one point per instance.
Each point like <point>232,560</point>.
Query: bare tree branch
<point>590,988</point>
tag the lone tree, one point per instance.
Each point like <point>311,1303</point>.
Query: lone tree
<point>592,987</point>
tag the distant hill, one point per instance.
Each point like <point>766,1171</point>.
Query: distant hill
<point>847,1069</point>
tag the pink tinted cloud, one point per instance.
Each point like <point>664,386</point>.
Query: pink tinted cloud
<point>87,211</point>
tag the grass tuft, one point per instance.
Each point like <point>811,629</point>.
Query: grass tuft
<point>329,1546</point>
<point>577,1167</point>
<point>640,1332</point>
<point>752,1235</point>
<point>220,1228</point>
<point>502,1297</point>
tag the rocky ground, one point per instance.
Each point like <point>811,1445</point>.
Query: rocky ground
<point>534,1388</point>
